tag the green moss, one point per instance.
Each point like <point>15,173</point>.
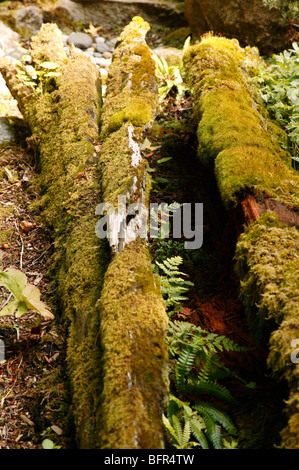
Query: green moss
<point>131,94</point>
<point>137,113</point>
<point>235,135</point>
<point>267,264</point>
<point>132,312</point>
<point>134,352</point>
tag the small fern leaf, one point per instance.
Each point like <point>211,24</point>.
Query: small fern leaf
<point>217,416</point>
<point>210,388</point>
<point>197,431</point>
<point>170,430</point>
<point>186,435</point>
<point>178,429</point>
<point>213,431</point>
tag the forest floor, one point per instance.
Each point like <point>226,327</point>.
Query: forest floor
<point>33,385</point>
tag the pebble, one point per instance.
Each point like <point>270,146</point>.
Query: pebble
<point>7,132</point>
<point>80,40</point>
<point>102,47</point>
<point>107,55</point>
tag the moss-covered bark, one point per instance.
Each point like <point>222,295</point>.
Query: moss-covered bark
<point>267,264</point>
<point>64,124</point>
<point>235,136</point>
<point>237,140</point>
<point>133,318</point>
<point>116,316</point>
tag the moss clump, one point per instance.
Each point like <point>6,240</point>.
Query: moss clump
<point>137,113</point>
<point>267,264</point>
<point>133,323</point>
<point>234,133</point>
<point>131,85</point>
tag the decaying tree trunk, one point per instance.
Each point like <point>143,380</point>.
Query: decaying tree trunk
<point>109,296</point>
<point>239,142</point>
<point>133,318</point>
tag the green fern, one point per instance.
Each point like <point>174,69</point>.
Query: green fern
<point>173,283</point>
<point>197,368</point>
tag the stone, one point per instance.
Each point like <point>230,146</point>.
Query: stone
<point>30,18</point>
<point>109,12</point>
<point>249,21</point>
<point>107,55</point>
<point>102,47</point>
<point>111,43</point>
<point>99,40</point>
<point>80,40</point>
<point>7,132</point>
<point>8,37</point>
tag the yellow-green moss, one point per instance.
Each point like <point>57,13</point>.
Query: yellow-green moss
<point>131,94</point>
<point>234,133</point>
<point>267,264</point>
<point>137,113</point>
<point>133,323</point>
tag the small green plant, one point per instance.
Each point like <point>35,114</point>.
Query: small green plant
<point>170,77</point>
<point>173,283</point>
<point>279,88</point>
<point>39,80</point>
<point>26,296</point>
<point>289,9</point>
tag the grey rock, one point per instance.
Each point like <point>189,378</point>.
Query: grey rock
<point>81,40</point>
<point>111,43</point>
<point>102,47</point>
<point>8,37</point>
<point>7,132</point>
<point>99,40</point>
<point>30,18</point>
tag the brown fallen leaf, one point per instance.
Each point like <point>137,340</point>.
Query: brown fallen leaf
<point>26,225</point>
<point>81,175</point>
<point>56,429</point>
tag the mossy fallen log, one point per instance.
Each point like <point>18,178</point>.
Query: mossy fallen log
<point>239,142</point>
<point>235,136</point>
<point>133,317</point>
<point>64,123</point>
<point>109,298</point>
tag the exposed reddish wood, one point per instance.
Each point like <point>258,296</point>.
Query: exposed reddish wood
<point>253,206</point>
<point>251,209</point>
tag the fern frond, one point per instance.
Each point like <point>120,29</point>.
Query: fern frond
<point>184,363</point>
<point>217,416</point>
<point>197,430</point>
<point>210,388</point>
<point>170,430</point>
<point>178,429</point>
